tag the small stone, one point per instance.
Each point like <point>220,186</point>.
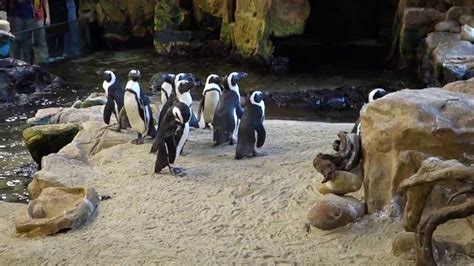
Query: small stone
<point>343,183</point>
<point>446,25</point>
<point>77,104</point>
<point>332,211</point>
<point>94,99</point>
<point>36,210</point>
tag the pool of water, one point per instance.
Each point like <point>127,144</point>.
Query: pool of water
<point>85,76</point>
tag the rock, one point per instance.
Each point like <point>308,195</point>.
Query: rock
<point>404,245</point>
<point>332,211</point>
<point>455,12</point>
<point>95,137</point>
<point>429,122</point>
<point>66,115</point>
<point>46,139</point>
<point>57,168</point>
<point>446,25</point>
<point>57,209</point>
<point>38,184</point>
<point>467,33</point>
<point>94,99</point>
<point>463,86</point>
<point>77,104</point>
<point>343,183</point>
<point>467,19</point>
<point>454,58</point>
<point>455,29</point>
<point>415,25</point>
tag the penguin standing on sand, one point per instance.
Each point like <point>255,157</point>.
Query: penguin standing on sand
<point>228,111</point>
<point>137,107</point>
<point>251,125</point>
<point>114,94</point>
<point>167,88</point>
<point>168,142</point>
<point>212,93</point>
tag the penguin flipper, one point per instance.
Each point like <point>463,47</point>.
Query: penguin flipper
<point>162,158</point>
<point>171,147</point>
<point>108,110</point>
<point>261,134</point>
<point>201,108</point>
<point>194,122</point>
<point>239,110</point>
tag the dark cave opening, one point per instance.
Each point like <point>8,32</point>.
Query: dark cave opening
<point>343,32</point>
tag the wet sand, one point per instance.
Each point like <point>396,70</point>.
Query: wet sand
<point>223,211</point>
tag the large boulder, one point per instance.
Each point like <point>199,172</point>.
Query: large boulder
<point>402,129</point>
<point>66,115</point>
<point>463,86</point>
<point>47,139</point>
<point>56,209</point>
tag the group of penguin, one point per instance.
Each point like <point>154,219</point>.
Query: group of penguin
<point>220,109</point>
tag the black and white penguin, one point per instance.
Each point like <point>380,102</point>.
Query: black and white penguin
<point>114,94</point>
<point>167,87</point>
<point>173,134</point>
<point>211,95</point>
<point>373,95</point>
<point>137,107</point>
<point>228,111</point>
<point>251,125</point>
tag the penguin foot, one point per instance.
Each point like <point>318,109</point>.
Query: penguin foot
<point>260,154</point>
<point>138,141</point>
<point>177,171</point>
<point>231,142</point>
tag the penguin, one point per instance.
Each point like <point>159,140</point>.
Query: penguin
<point>183,96</point>
<point>212,93</point>
<point>373,95</point>
<point>114,94</point>
<point>137,107</point>
<point>228,111</point>
<point>251,125</point>
<point>167,87</point>
<point>169,143</point>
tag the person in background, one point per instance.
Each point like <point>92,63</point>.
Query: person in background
<point>6,39</point>
<point>55,33</point>
<point>71,46</point>
<point>22,18</point>
<point>42,18</point>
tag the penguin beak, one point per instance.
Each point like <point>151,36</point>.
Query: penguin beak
<point>197,82</point>
<point>266,95</point>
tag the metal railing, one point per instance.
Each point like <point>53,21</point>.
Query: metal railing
<point>45,44</point>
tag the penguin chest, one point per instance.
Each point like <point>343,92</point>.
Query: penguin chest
<point>212,98</point>
<point>132,107</point>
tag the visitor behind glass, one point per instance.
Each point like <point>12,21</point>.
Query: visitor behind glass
<point>5,39</point>
<point>22,18</point>
<point>42,18</point>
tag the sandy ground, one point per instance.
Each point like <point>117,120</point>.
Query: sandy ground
<point>223,211</point>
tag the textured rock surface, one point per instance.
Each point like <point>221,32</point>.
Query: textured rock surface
<point>66,115</point>
<point>467,33</point>
<point>93,100</point>
<point>464,86</point>
<point>403,245</point>
<point>343,183</point>
<point>332,211</point>
<point>402,129</point>
<point>46,139</point>
<point>56,209</point>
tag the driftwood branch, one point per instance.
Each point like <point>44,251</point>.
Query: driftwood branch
<point>346,158</point>
<point>429,223</point>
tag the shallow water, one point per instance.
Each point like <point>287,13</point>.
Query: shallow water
<point>85,76</point>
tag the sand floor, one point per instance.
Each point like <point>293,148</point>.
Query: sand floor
<point>224,211</point>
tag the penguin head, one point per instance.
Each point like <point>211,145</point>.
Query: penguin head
<point>230,81</point>
<point>376,94</point>
<point>213,78</point>
<point>109,76</point>
<point>168,78</point>
<point>184,86</point>
<point>134,75</point>
<point>257,97</point>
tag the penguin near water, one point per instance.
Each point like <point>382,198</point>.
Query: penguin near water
<point>137,107</point>
<point>228,111</point>
<point>114,94</point>
<point>167,87</point>
<point>212,93</point>
<point>173,134</point>
<point>251,125</point>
